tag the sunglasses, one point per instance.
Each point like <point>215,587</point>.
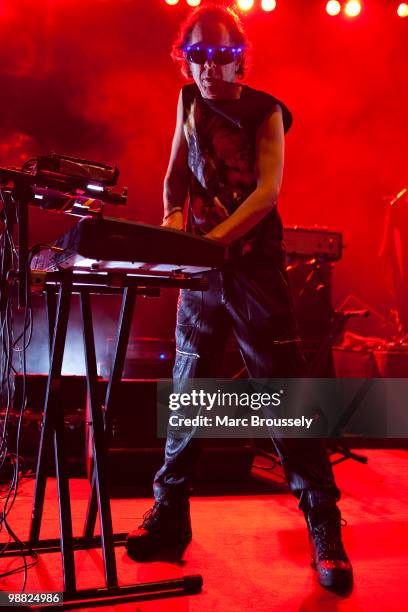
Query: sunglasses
<point>219,55</point>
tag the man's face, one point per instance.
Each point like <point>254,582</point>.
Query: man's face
<point>214,81</point>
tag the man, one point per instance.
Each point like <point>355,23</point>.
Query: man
<point>227,156</point>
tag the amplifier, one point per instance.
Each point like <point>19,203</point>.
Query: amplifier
<point>147,358</point>
<point>72,398</point>
<point>72,402</point>
<point>313,242</point>
<point>146,349</point>
<point>29,441</point>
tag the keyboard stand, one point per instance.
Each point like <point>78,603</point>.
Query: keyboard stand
<point>58,287</point>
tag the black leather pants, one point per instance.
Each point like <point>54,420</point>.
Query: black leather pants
<point>254,300</point>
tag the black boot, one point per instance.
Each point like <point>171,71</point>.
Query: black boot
<point>166,529</point>
<point>329,558</point>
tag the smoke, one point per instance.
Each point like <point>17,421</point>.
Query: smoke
<point>94,79</point>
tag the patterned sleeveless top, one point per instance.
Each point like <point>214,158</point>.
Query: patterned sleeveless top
<point>221,137</point>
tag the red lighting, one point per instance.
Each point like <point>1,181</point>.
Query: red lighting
<point>352,8</point>
<point>333,7</point>
<point>268,5</point>
<point>245,5</point>
<point>402,10</point>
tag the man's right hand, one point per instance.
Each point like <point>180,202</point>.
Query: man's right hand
<point>175,221</point>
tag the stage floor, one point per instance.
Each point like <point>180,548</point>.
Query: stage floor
<point>252,550</point>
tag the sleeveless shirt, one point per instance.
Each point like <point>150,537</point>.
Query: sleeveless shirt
<point>221,138</point>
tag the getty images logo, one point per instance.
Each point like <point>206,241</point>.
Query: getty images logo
<point>208,400</point>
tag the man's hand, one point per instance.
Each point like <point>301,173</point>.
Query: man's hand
<point>174,221</point>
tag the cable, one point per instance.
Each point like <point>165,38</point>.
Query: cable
<point>11,347</point>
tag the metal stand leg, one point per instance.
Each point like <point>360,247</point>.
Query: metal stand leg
<point>51,313</point>
<point>65,517</point>
<point>99,450</point>
<point>52,426</point>
<point>118,361</point>
<point>338,430</point>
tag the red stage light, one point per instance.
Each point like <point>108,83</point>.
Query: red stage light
<point>402,10</point>
<point>193,2</point>
<point>268,5</point>
<point>171,2</point>
<point>245,5</point>
<point>352,8</point>
<point>333,7</point>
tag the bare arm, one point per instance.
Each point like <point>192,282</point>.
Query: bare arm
<point>269,170</point>
<point>176,179</point>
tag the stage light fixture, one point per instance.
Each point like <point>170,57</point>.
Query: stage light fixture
<point>193,2</point>
<point>171,2</point>
<point>352,8</point>
<point>333,8</point>
<point>268,5</point>
<point>402,9</point>
<point>245,5</point>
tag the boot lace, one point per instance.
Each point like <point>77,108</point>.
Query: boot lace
<point>327,540</point>
<point>151,517</point>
